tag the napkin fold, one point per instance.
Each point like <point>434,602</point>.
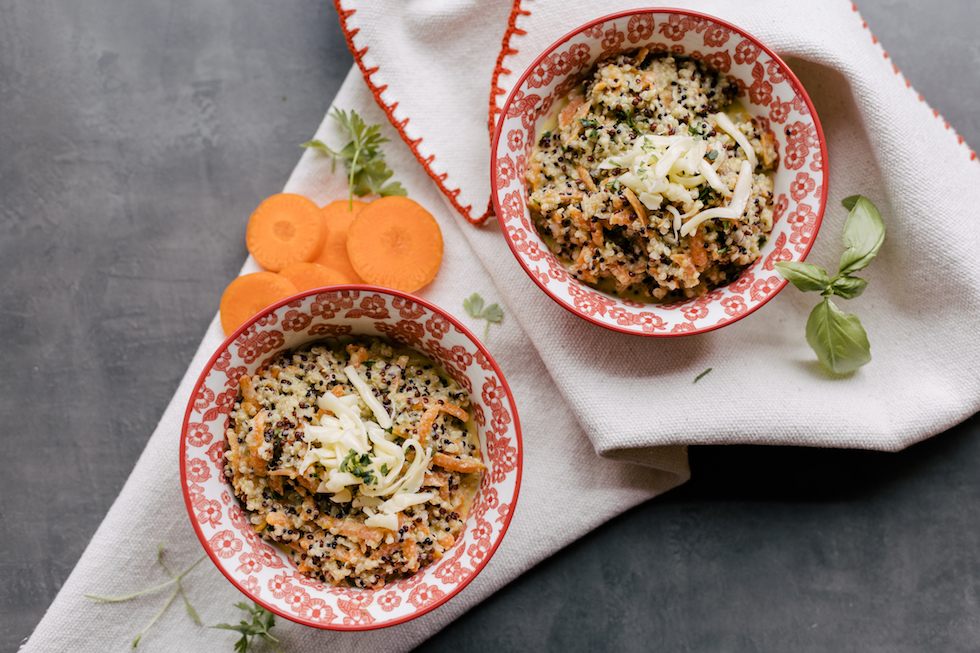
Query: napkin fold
<point>631,394</point>
<point>433,71</point>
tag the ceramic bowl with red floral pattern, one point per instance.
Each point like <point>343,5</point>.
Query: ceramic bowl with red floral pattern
<point>767,89</point>
<point>265,573</point>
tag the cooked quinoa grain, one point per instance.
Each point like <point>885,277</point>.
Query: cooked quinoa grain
<point>358,457</point>
<point>646,187</point>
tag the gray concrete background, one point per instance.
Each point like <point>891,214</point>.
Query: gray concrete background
<point>134,137</point>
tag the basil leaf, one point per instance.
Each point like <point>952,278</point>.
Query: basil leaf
<point>838,340</point>
<point>847,287</point>
<point>864,232</point>
<point>805,276</point>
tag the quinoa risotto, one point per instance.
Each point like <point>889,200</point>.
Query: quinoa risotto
<point>358,456</point>
<point>649,181</point>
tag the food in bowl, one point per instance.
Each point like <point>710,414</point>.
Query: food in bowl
<point>650,182</point>
<point>357,455</point>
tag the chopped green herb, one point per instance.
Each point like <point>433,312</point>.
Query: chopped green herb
<point>365,161</point>
<point>492,313</point>
<point>702,375</point>
<point>617,185</point>
<point>711,155</point>
<point>262,622</point>
<point>589,122</point>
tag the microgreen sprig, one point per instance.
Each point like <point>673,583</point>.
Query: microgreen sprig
<point>174,580</point>
<point>839,340</point>
<point>366,168</point>
<point>262,623</point>
<point>492,313</point>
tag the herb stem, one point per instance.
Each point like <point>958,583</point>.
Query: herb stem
<point>159,614</point>
<point>702,375</point>
<point>269,639</point>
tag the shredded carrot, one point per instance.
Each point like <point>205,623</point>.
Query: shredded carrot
<point>699,256</point>
<point>395,243</point>
<point>285,229</point>
<point>427,422</point>
<point>249,294</point>
<point>464,464</point>
<point>337,218</point>
<point>455,411</point>
<point>306,276</point>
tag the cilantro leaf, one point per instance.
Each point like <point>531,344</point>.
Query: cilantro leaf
<point>475,307</point>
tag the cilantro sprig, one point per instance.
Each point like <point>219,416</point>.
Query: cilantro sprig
<point>174,580</point>
<point>839,340</point>
<point>366,168</point>
<point>262,622</point>
<point>492,313</point>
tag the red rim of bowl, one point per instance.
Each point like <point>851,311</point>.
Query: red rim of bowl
<point>231,339</point>
<point>632,12</point>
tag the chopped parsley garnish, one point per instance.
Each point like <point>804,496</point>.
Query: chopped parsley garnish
<point>355,465</point>
<point>711,155</point>
<point>367,171</point>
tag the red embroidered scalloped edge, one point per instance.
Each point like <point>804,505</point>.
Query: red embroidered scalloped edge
<point>389,109</point>
<point>908,84</point>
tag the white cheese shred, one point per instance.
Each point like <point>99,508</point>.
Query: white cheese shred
<point>380,414</point>
<point>734,210</point>
<point>727,125</point>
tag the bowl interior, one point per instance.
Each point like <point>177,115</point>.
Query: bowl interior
<point>266,573</point>
<point>767,89</point>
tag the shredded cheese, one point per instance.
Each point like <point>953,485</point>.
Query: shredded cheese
<point>734,210</point>
<point>728,126</point>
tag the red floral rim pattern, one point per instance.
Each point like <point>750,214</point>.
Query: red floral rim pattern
<point>265,573</point>
<point>767,89</point>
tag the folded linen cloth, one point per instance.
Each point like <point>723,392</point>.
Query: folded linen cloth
<point>572,380</point>
<point>765,386</point>
<point>559,462</point>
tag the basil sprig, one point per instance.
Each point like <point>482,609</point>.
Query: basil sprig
<point>839,340</point>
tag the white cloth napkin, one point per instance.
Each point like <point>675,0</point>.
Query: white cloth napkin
<point>923,299</point>
<point>580,388</point>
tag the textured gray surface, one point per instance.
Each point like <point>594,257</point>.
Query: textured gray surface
<point>134,137</point>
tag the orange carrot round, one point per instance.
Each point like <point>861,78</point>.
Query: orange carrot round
<point>337,218</point>
<point>306,276</point>
<point>285,229</point>
<point>249,294</point>
<point>395,243</point>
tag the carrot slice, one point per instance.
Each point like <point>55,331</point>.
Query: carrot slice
<point>249,294</point>
<point>337,218</point>
<point>306,276</point>
<point>395,243</point>
<point>285,229</point>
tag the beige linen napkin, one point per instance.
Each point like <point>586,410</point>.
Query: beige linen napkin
<point>559,462</point>
<point>630,393</point>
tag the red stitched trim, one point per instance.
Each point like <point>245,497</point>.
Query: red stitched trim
<point>495,90</point>
<point>389,110</point>
<point>505,51</point>
<point>908,84</point>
